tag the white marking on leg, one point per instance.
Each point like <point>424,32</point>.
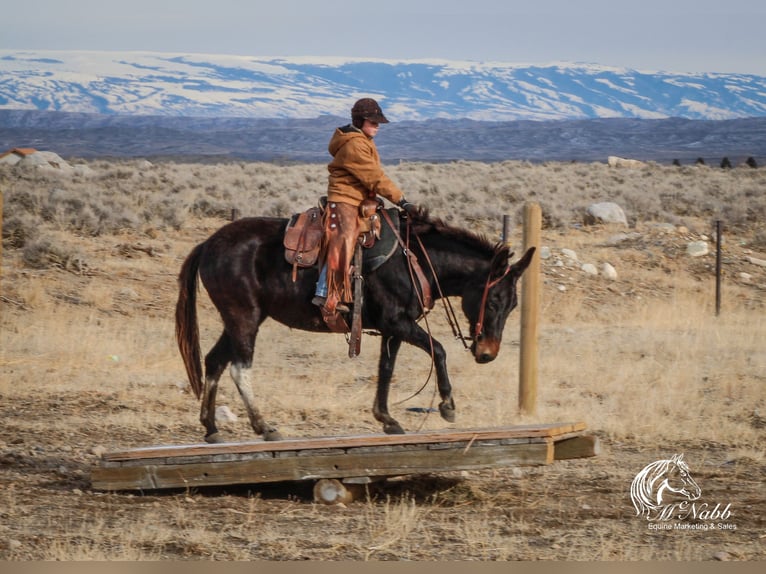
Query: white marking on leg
<point>243,379</point>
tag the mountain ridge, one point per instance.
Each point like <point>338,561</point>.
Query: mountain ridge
<point>215,85</point>
<point>305,140</point>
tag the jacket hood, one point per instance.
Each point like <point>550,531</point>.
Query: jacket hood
<point>342,136</point>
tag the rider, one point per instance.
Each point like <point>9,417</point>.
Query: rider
<point>355,175</point>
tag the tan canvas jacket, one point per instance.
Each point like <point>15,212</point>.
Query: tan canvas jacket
<point>355,170</point>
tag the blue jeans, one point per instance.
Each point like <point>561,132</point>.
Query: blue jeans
<point>321,289</point>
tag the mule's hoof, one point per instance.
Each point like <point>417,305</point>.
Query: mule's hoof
<point>447,411</point>
<point>214,438</point>
<point>393,428</point>
<point>272,434</point>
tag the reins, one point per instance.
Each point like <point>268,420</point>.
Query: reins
<point>424,299</point>
<point>448,309</point>
<point>424,294</point>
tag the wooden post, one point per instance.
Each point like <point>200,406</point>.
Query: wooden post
<point>717,267</point>
<point>506,228</point>
<point>530,311</point>
<point>1,233</point>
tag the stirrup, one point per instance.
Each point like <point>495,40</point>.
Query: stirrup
<point>320,301</point>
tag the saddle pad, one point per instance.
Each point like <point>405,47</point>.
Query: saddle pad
<point>383,248</point>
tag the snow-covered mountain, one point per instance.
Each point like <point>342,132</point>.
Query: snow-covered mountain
<point>197,85</point>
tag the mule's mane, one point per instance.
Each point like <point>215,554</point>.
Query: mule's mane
<point>424,223</point>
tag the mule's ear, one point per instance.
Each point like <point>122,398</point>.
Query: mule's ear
<point>520,266</point>
<point>500,261</point>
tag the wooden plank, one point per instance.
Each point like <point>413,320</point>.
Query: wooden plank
<point>520,431</point>
<point>332,465</point>
<point>582,446</point>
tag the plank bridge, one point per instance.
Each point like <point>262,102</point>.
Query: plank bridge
<point>343,459</point>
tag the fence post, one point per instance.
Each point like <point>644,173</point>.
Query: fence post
<point>506,228</point>
<point>717,267</point>
<point>530,311</point>
<point>1,234</point>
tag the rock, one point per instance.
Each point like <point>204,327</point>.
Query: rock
<point>223,414</point>
<point>605,212</point>
<point>128,293</point>
<point>722,556</point>
<point>608,271</point>
<point>669,228</point>
<point>45,160</point>
<point>621,237</point>
<point>589,269</point>
<point>756,261</point>
<point>83,170</point>
<point>545,252</point>
<point>697,248</point>
<point>98,450</point>
<point>745,277</point>
<point>569,254</point>
<point>617,161</point>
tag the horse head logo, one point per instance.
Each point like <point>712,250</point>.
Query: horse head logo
<point>662,483</point>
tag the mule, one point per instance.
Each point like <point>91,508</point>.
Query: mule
<point>242,266</point>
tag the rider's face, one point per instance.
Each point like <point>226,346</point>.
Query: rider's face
<point>370,129</point>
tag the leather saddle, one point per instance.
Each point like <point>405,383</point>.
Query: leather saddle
<point>303,237</point>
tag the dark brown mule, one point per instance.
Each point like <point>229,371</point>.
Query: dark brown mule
<point>243,269</point>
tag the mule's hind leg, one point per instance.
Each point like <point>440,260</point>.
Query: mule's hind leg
<point>389,348</point>
<point>215,363</point>
<point>242,375</point>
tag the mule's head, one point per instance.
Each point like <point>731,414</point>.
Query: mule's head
<point>488,302</point>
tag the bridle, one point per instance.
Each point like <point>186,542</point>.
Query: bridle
<point>482,306</point>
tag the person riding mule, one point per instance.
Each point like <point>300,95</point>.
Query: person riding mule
<point>356,179</point>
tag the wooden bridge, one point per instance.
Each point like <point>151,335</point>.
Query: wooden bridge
<point>335,463</point>
<point>344,459</point>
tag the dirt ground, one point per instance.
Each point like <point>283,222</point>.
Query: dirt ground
<point>61,410</point>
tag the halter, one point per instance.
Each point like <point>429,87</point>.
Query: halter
<point>487,286</point>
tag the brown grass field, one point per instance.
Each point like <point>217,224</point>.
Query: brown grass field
<point>88,363</point>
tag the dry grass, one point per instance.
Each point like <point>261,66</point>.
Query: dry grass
<point>87,359</point>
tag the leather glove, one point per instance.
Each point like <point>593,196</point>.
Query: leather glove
<point>410,208</point>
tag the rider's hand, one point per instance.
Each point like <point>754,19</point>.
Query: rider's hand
<point>410,208</point>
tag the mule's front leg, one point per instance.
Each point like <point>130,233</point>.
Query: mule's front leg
<point>242,376</point>
<point>424,341</point>
<point>389,348</point>
<point>447,405</point>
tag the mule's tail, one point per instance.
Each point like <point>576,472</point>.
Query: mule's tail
<point>187,329</point>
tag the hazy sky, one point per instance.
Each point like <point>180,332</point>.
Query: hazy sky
<point>667,35</point>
